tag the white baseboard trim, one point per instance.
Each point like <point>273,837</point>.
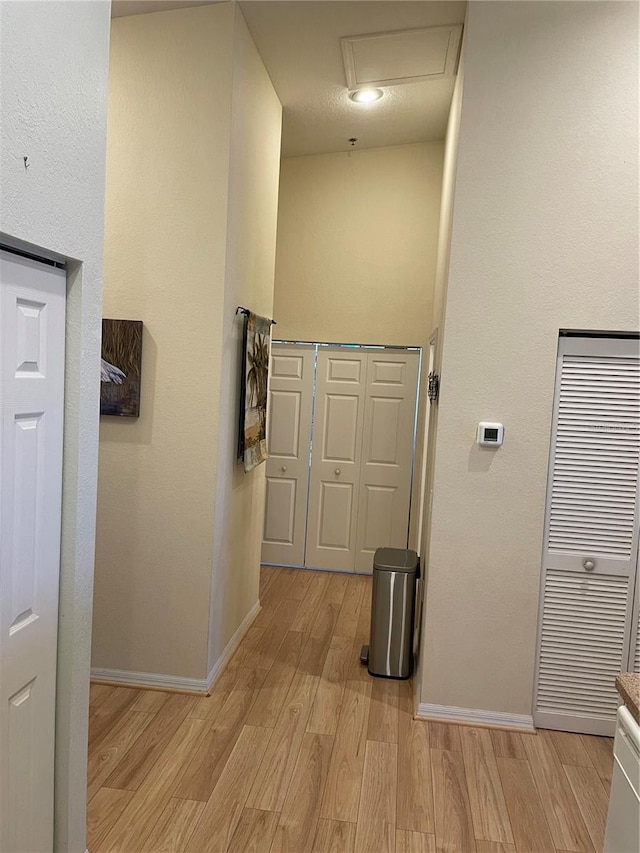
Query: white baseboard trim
<point>232,645</point>
<point>475,717</point>
<point>154,680</point>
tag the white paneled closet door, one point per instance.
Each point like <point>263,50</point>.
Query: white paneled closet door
<point>586,625</point>
<point>335,470</point>
<point>387,454</point>
<point>288,437</point>
<point>32,340</point>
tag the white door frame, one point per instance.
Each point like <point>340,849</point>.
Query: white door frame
<point>79,478</point>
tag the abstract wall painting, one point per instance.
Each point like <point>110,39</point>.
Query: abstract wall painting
<point>121,368</point>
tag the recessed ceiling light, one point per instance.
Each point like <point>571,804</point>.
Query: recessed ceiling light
<point>366,96</point>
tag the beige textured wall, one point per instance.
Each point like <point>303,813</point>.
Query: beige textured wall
<point>437,332</point>
<point>356,249</point>
<point>545,236</point>
<point>251,244</point>
<point>166,211</point>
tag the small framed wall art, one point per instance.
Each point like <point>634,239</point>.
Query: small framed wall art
<point>121,368</point>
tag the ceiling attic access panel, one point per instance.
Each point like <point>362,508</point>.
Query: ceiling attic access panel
<point>394,58</point>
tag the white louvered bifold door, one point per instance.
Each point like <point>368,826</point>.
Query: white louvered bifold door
<point>591,536</point>
<point>634,646</point>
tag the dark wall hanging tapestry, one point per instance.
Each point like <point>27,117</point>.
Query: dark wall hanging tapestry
<point>252,443</point>
<point>120,368</point>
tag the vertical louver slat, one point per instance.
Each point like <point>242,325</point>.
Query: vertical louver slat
<point>636,659</point>
<point>597,456</point>
<point>582,643</point>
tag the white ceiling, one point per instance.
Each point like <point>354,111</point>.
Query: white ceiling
<point>299,41</point>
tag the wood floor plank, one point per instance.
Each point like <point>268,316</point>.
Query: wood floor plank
<point>308,608</point>
<point>568,747</point>
<point>328,701</point>
<point>488,807</point>
<point>337,588</point>
<point>208,707</point>
<point>414,842</point>
<point>202,775</point>
<point>334,836</point>
<point>143,753</point>
<point>273,692</point>
<point>276,768</point>
<point>507,744</point>
<point>350,610</point>
<point>376,829</point>
<point>526,814</point>
<point>444,736</point>
<point>222,813</point>
<point>299,819</point>
<point>383,716</point>
<point>493,847</point>
<point>561,809</point>
<point>415,790</point>
<point>97,694</point>
<point>267,576</point>
<point>316,649</point>
<point>255,832</point>
<point>147,804</point>
<point>102,813</point>
<point>452,811</point>
<point>342,791</point>
<point>107,713</point>
<point>600,751</point>
<point>357,671</point>
<point>246,654</point>
<point>174,828</point>
<point>290,583</point>
<point>592,800</point>
<point>271,640</point>
<point>113,747</point>
<point>149,701</point>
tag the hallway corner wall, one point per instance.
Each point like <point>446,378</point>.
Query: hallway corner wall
<point>545,237</point>
<point>169,133</point>
<point>256,117</point>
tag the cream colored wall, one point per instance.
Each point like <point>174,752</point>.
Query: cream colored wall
<point>166,212</point>
<point>437,332</point>
<point>250,261</point>
<point>545,236</point>
<point>356,251</point>
<point>53,102</point>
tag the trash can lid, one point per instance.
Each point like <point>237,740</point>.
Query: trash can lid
<point>395,560</point>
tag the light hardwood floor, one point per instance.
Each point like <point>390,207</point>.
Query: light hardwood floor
<point>299,750</point>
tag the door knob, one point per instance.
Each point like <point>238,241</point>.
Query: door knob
<point>283,469</point>
<point>589,564</point>
<point>337,472</point>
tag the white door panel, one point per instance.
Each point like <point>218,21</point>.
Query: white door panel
<point>288,437</point>
<point>591,536</point>
<point>32,329</point>
<point>335,467</point>
<point>387,459</point>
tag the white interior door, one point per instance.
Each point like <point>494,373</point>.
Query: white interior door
<point>335,466</point>
<point>288,438</point>
<point>591,536</point>
<point>32,329</point>
<point>387,454</point>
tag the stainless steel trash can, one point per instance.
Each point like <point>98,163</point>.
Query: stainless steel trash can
<point>390,651</point>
